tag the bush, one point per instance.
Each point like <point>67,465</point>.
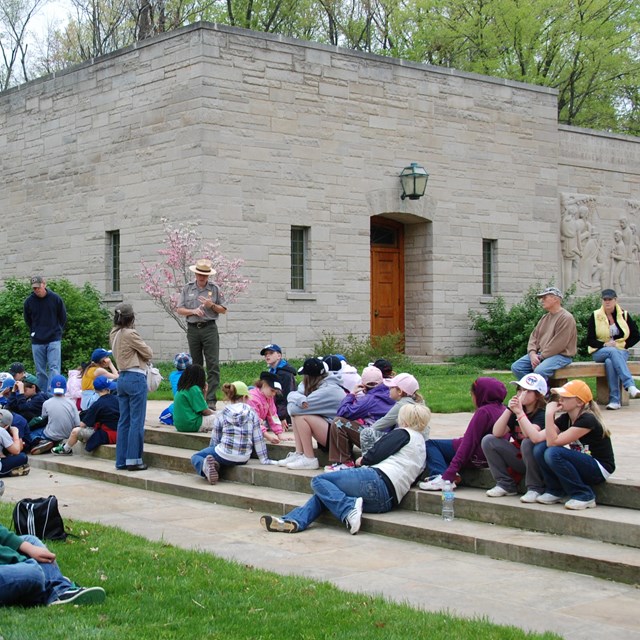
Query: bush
<point>88,323</point>
<point>360,351</point>
<point>505,333</point>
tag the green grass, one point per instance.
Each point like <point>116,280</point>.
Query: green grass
<point>156,591</point>
<point>445,387</point>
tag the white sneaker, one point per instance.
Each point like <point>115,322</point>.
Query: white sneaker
<point>302,462</point>
<point>575,505</point>
<point>530,497</point>
<point>548,498</point>
<point>339,466</point>
<point>211,469</point>
<point>613,406</point>
<point>434,483</point>
<point>291,456</point>
<point>499,492</point>
<point>354,519</point>
<point>633,391</point>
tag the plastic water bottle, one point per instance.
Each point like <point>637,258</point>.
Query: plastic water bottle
<point>448,497</point>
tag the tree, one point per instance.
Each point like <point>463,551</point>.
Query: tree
<point>164,280</point>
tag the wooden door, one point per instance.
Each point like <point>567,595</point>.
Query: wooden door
<point>387,276</point>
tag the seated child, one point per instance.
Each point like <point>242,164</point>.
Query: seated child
<point>13,460</point>
<point>262,401</point>
<point>236,432</point>
<point>99,422</point>
<point>180,362</point>
<point>191,412</point>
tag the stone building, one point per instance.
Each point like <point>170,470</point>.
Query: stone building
<point>289,153</point>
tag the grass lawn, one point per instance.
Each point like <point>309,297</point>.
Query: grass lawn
<point>156,591</point>
<point>445,387</point>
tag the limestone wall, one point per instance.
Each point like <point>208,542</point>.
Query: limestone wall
<point>251,134</point>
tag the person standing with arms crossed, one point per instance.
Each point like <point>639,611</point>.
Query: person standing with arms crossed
<point>45,315</point>
<point>201,303</point>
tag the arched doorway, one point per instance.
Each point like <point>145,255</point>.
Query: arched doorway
<point>387,276</point>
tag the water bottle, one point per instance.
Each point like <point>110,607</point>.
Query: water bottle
<point>448,496</point>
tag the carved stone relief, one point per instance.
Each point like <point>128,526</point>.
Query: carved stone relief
<point>599,253</point>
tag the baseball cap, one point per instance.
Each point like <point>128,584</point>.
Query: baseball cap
<point>371,375</point>
<point>16,367</point>
<point>405,382</point>
<point>532,382</point>
<point>333,362</point>
<point>182,361</point>
<point>270,347</point>
<point>241,388</point>
<point>7,383</point>
<point>6,418</point>
<point>100,383</point>
<point>30,379</point>
<point>574,389</point>
<point>271,379</point>
<point>608,293</point>
<point>384,365</point>
<point>59,385</point>
<point>550,291</point>
<point>99,354</point>
<point>36,280</point>
<point>313,367</point>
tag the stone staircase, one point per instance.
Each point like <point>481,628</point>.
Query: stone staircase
<point>602,542</point>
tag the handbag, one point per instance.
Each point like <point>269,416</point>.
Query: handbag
<point>154,378</point>
<point>39,517</point>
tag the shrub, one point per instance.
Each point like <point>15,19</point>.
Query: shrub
<point>360,351</point>
<point>88,322</point>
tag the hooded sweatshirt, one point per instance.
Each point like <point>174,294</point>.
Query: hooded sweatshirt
<point>266,410</point>
<point>324,401</point>
<point>490,394</point>
<point>370,406</point>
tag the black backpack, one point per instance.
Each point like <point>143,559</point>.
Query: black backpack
<point>39,517</point>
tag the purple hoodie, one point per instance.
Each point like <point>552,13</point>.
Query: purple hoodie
<point>370,406</point>
<point>490,394</point>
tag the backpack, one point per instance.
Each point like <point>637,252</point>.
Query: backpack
<point>39,517</point>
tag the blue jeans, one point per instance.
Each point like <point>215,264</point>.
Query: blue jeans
<point>47,357</point>
<point>546,368</point>
<point>197,460</point>
<point>439,454</point>
<point>337,491</point>
<point>568,472</point>
<point>31,582</point>
<point>11,462</point>
<point>132,401</point>
<point>615,364</point>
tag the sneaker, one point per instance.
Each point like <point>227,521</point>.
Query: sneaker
<point>275,525</point>
<point>499,492</point>
<point>548,498</point>
<point>434,483</point>
<point>211,468</point>
<point>633,391</point>
<point>530,497</point>
<point>340,466</point>
<point>354,518</point>
<point>44,446</point>
<point>613,406</point>
<point>302,462</point>
<point>61,451</point>
<point>82,595</point>
<point>576,505</point>
<point>22,470</point>
<point>291,456</point>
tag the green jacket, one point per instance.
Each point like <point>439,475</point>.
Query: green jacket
<point>9,544</point>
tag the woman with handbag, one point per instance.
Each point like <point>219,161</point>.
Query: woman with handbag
<point>133,356</point>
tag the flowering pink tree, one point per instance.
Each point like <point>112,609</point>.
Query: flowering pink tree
<point>164,280</point>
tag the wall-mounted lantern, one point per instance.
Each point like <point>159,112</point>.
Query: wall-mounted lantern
<point>414,181</point>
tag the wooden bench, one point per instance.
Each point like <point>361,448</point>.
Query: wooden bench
<point>593,370</point>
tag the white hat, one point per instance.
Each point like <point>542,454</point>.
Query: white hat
<point>532,382</point>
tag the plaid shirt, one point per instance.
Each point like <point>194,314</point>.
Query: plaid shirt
<point>236,431</point>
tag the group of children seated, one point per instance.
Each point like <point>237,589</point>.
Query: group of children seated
<point>554,439</point>
<point>34,421</point>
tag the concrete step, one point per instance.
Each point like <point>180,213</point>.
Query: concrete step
<point>566,552</point>
<point>613,492</point>
<point>608,524</point>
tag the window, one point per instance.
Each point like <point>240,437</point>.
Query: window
<point>113,260</point>
<point>299,237</point>
<point>488,266</point>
